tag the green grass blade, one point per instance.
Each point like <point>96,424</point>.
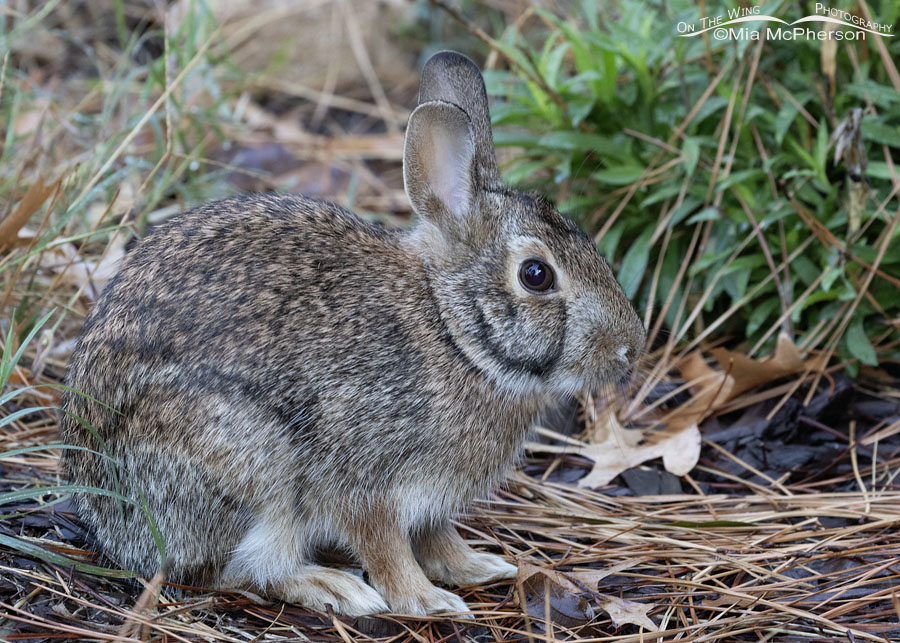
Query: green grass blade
<point>37,492</point>
<point>10,364</point>
<point>55,558</point>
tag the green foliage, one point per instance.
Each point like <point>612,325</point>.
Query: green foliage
<point>606,108</point>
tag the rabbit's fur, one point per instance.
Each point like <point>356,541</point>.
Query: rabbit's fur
<point>287,376</point>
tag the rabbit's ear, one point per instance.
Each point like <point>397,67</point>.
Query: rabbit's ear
<point>454,78</point>
<point>438,164</point>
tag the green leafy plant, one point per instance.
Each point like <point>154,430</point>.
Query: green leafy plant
<point>706,168</point>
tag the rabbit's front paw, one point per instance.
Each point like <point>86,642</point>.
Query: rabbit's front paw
<point>315,586</point>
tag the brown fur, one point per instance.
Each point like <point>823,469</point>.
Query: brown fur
<point>288,377</point>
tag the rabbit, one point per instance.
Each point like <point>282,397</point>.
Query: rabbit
<point>270,375</point>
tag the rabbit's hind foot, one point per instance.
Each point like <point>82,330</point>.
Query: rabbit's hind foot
<point>476,568</point>
<point>445,557</point>
<point>314,586</point>
<point>430,600</point>
<point>383,546</point>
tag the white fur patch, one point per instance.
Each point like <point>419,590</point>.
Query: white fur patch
<point>272,551</point>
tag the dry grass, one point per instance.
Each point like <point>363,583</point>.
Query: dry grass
<point>757,563</point>
<point>807,555</point>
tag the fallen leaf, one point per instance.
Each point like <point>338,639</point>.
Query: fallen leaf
<point>749,373</point>
<point>91,276</point>
<point>740,373</point>
<point>591,577</point>
<point>34,198</point>
<point>614,449</point>
<point>623,612</point>
<point>675,436</point>
<point>564,593</point>
<point>544,590</point>
<point>710,388</point>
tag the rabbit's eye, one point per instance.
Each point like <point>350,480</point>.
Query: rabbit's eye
<point>535,275</point>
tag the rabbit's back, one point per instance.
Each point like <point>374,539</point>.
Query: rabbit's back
<point>228,278</point>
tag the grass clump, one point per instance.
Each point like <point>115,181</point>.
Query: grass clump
<point>107,119</point>
<point>118,127</point>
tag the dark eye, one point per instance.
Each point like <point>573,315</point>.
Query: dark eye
<point>535,275</point>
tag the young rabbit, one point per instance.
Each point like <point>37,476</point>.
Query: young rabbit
<point>287,377</point>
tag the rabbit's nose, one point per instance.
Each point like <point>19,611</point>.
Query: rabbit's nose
<point>628,354</point>
<point>631,349</point>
